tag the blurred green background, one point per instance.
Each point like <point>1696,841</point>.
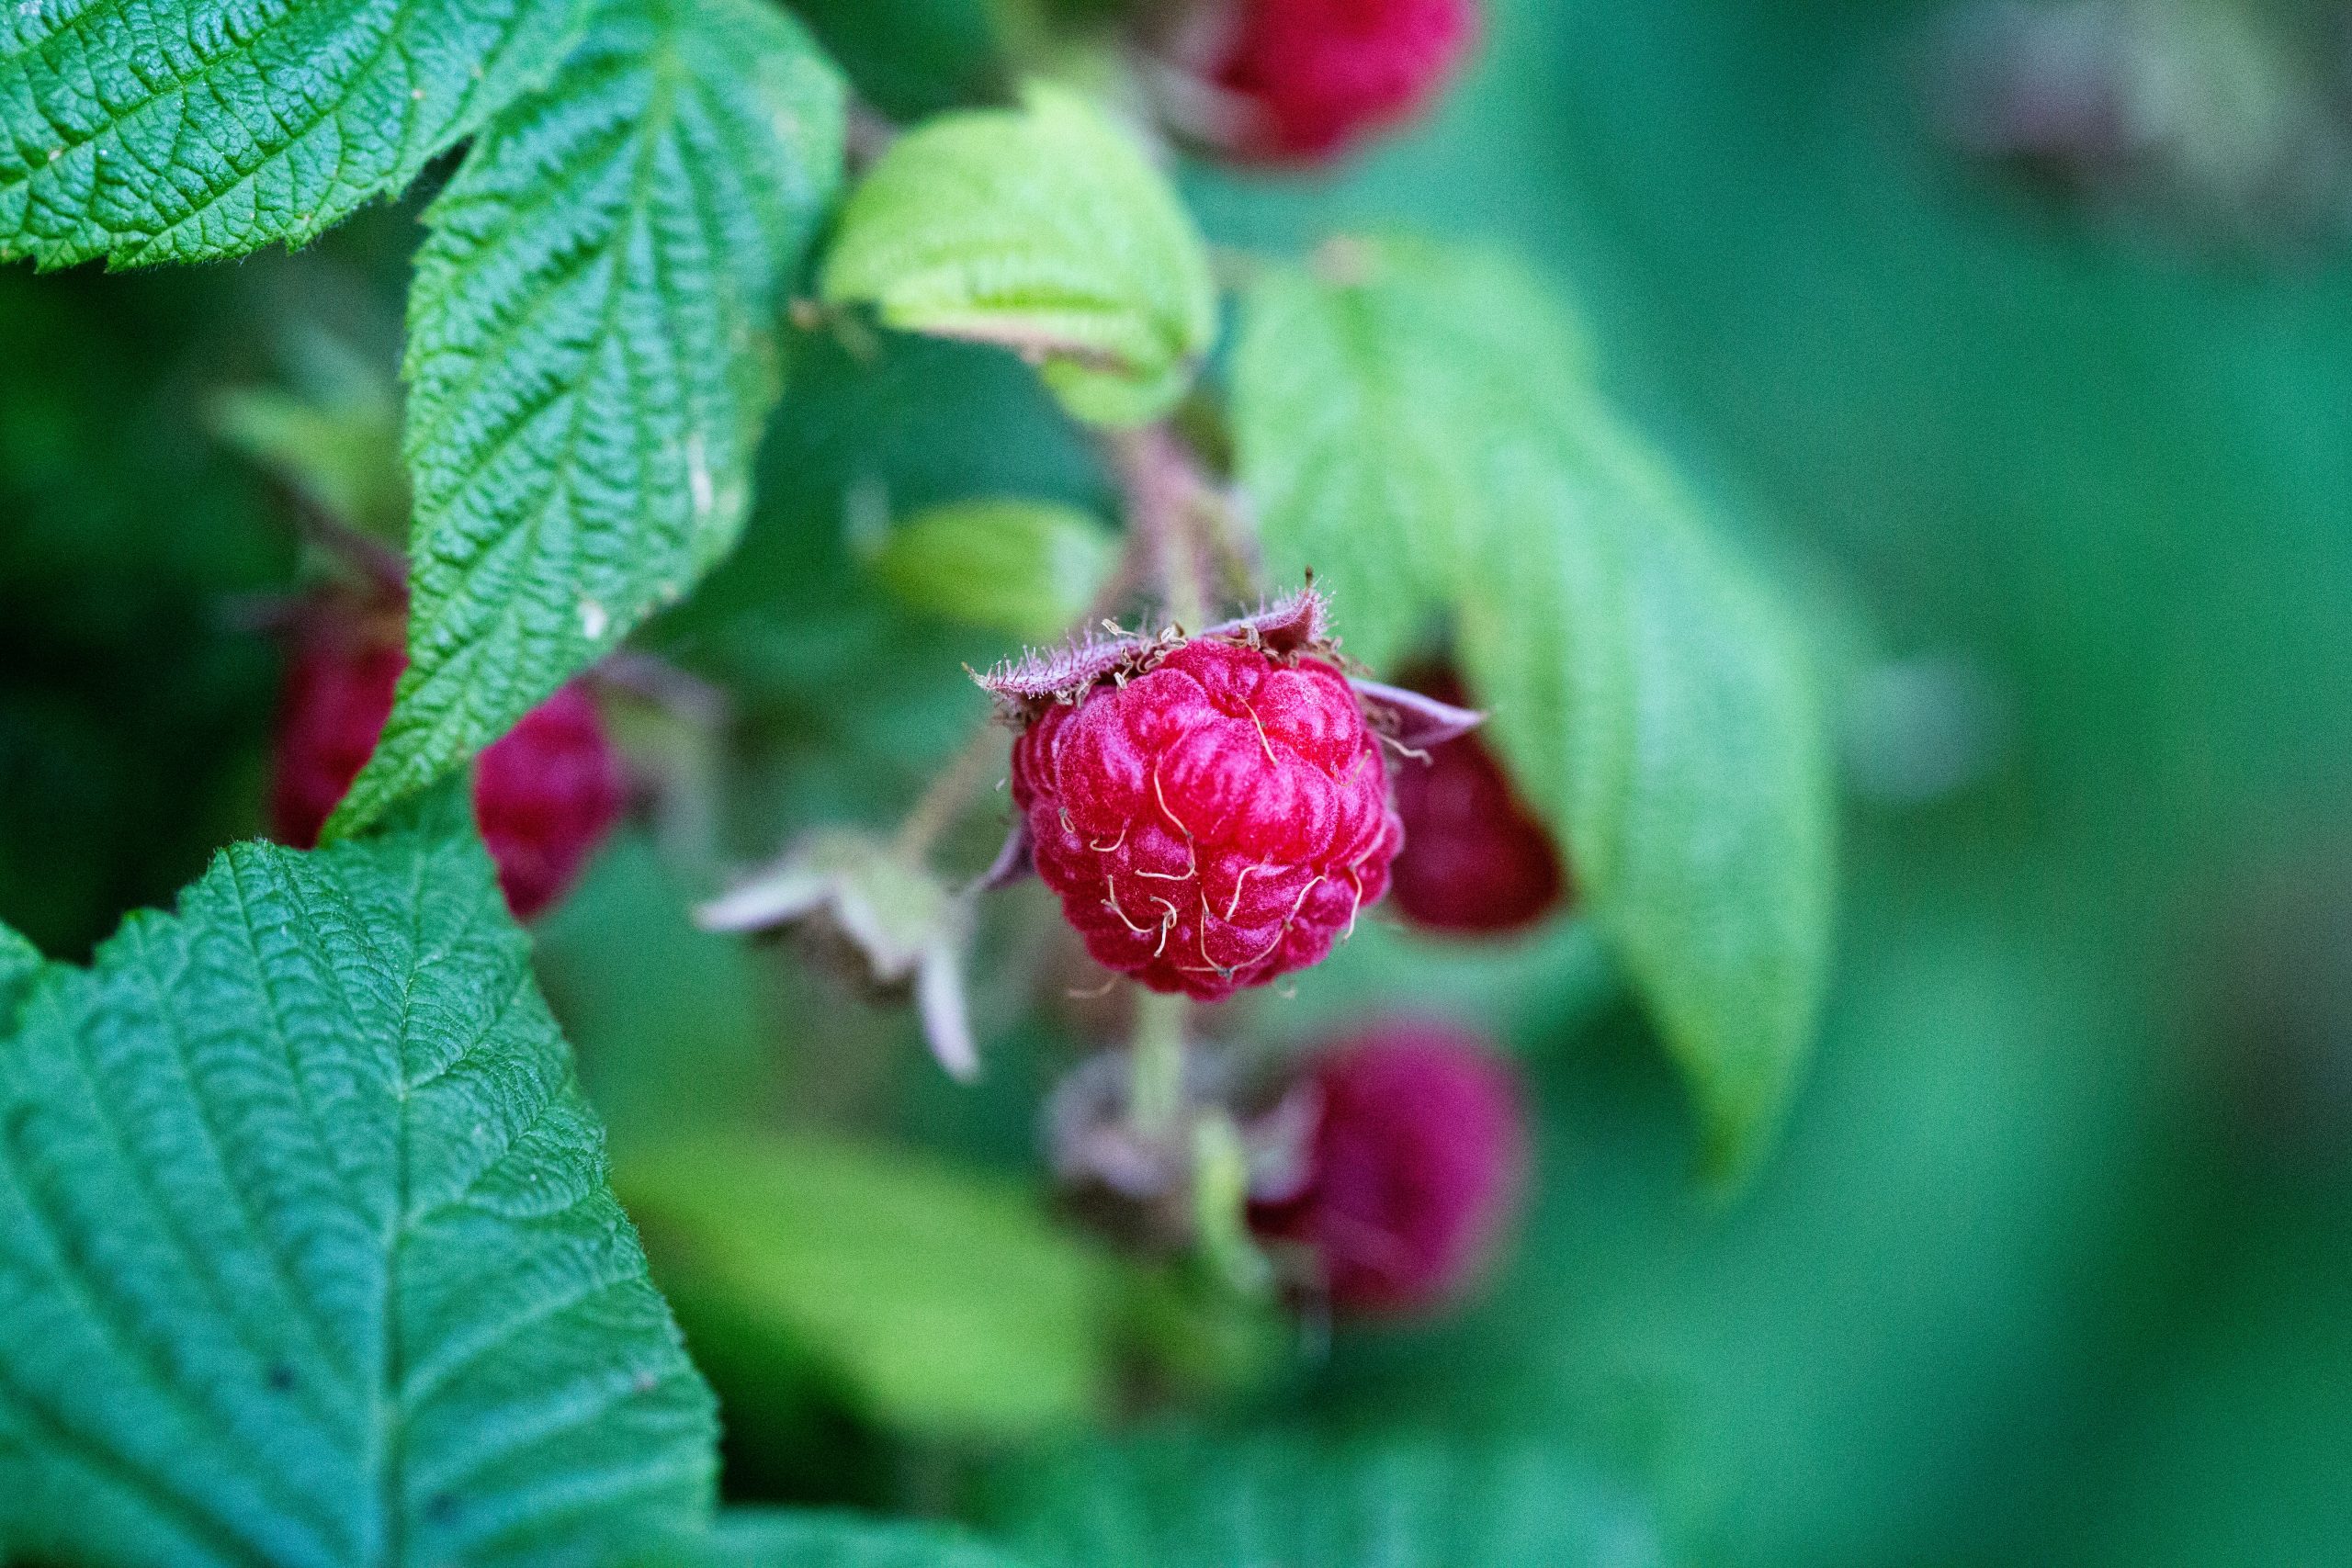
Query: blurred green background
<point>2055,1262</point>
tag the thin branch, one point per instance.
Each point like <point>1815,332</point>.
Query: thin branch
<point>951,794</point>
<point>1166,495</point>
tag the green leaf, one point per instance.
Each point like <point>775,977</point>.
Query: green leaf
<point>1651,699</point>
<point>1043,228</point>
<point>306,1252</point>
<point>334,439</point>
<point>944,1302</point>
<point>777,1538</point>
<point>592,356</point>
<point>1217,1501</point>
<point>1370,392</point>
<point>180,130</point>
<point>1418,425</point>
<point>1027,568</point>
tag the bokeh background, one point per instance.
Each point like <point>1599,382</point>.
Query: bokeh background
<point>2040,405</point>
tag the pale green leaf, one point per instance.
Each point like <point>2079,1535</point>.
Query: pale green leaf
<point>1303,1501</point>
<point>1418,425</point>
<point>778,1538</point>
<point>177,131</point>
<point>1046,229</point>
<point>1369,391</point>
<point>591,357</point>
<point>944,1302</point>
<point>1026,568</point>
<point>1653,701</point>
<point>306,1252</point>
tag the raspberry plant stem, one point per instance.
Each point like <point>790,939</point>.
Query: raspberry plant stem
<point>951,794</point>
<point>1156,1091</point>
<point>1165,493</point>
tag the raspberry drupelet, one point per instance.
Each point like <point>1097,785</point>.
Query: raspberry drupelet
<point>1212,811</point>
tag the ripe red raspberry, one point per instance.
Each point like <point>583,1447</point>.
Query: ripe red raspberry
<point>545,795</point>
<point>1475,860</point>
<point>1213,811</point>
<point>1322,73</point>
<point>1418,1155</point>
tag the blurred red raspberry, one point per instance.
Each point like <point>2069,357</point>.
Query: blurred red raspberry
<point>1212,813</point>
<point>545,795</point>
<point>1322,74</point>
<point>1475,860</point>
<point>338,694</point>
<point>1418,1155</point>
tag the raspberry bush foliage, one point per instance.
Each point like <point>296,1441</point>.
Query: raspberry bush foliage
<point>692,549</point>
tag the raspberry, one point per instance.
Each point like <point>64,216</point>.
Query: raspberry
<point>1321,74</point>
<point>1474,860</point>
<point>1419,1154</point>
<point>545,795</point>
<point>1212,812</point>
<point>338,691</point>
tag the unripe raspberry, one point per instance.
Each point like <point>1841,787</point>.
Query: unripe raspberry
<point>545,795</point>
<point>1318,74</point>
<point>1475,860</point>
<point>1212,812</point>
<point>1418,1155</point>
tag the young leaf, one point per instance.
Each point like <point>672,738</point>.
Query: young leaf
<point>591,357</point>
<point>1186,1501</point>
<point>1025,568</point>
<point>306,1253</point>
<point>181,130</point>
<point>1415,424</point>
<point>944,1303</point>
<point>1043,228</point>
<point>778,1538</point>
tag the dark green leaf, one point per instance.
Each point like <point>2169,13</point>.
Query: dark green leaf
<point>1307,1501</point>
<point>306,1253</point>
<point>1418,425</point>
<point>1043,228</point>
<point>1026,568</point>
<point>944,1301</point>
<point>178,130</point>
<point>591,357</point>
